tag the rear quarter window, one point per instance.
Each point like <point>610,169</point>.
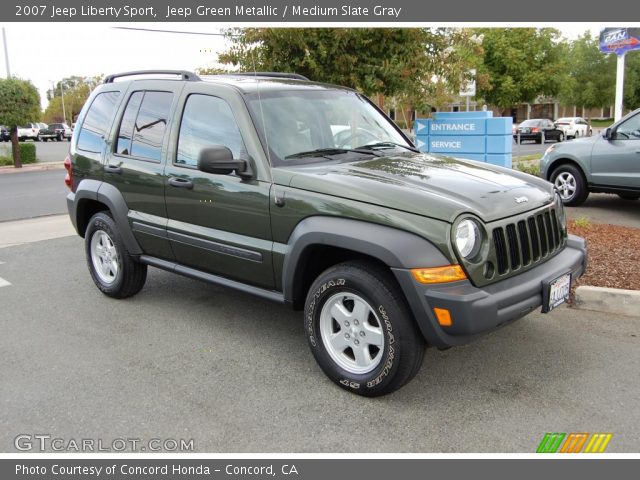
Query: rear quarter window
<point>97,121</point>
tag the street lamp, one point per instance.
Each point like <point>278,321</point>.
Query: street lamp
<point>53,93</point>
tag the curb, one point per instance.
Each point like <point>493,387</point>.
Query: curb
<point>32,167</point>
<point>608,300</point>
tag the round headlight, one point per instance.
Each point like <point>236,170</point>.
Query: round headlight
<point>468,238</point>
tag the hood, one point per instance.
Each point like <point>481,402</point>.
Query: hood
<point>430,185</point>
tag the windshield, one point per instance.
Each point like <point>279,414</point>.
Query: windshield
<point>331,122</point>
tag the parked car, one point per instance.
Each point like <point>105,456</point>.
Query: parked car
<point>29,131</point>
<point>608,163</point>
<point>535,128</point>
<point>46,132</point>
<point>5,133</point>
<point>251,182</point>
<point>62,131</point>
<point>574,127</point>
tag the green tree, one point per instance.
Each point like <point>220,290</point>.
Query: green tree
<point>76,91</point>
<point>591,75</point>
<point>19,104</point>
<point>521,64</point>
<point>632,80</point>
<point>416,64</point>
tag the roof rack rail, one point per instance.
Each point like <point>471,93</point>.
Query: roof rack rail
<point>185,75</point>
<point>294,76</point>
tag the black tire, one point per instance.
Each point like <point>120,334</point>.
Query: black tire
<point>628,196</point>
<point>59,138</point>
<point>581,191</point>
<point>560,137</point>
<point>539,140</point>
<point>403,346</point>
<point>131,275</point>
<point>37,139</point>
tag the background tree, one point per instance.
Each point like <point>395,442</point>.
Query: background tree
<point>520,65</point>
<point>76,91</point>
<point>591,75</point>
<point>422,66</point>
<point>631,81</point>
<point>19,104</point>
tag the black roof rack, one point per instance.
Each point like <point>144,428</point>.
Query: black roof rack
<point>295,76</point>
<point>185,75</point>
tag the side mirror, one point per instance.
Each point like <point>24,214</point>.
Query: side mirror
<point>609,133</point>
<point>218,159</point>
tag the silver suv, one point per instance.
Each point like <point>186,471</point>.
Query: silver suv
<point>607,163</point>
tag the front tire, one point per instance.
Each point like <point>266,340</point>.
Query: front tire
<point>112,268</point>
<point>360,330</point>
<point>571,184</point>
<point>560,137</point>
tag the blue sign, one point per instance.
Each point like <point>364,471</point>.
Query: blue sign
<point>619,40</point>
<point>472,135</point>
<point>466,126</point>
<point>457,144</point>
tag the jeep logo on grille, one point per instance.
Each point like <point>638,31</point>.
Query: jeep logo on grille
<point>521,199</point>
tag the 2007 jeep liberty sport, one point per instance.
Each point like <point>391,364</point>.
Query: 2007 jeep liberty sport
<point>307,194</point>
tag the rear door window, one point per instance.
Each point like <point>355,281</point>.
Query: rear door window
<point>144,124</point>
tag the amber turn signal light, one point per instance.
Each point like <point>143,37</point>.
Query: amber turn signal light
<point>443,316</point>
<point>446,274</point>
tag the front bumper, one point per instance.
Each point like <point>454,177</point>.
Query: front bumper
<point>475,311</point>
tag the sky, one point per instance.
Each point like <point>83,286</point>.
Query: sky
<point>89,49</point>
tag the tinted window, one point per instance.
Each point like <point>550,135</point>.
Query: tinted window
<point>530,123</point>
<point>629,129</point>
<point>97,121</point>
<point>207,121</point>
<point>150,125</point>
<point>125,134</point>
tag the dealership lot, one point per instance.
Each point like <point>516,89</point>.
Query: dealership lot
<point>185,359</point>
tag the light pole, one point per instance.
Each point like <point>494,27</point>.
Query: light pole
<point>64,114</point>
<point>6,52</point>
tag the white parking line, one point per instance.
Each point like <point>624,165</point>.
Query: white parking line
<point>4,283</point>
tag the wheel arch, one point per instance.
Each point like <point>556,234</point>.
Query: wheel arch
<point>564,161</point>
<point>318,243</point>
<point>93,196</point>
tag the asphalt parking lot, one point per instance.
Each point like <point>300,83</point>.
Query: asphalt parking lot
<point>188,360</point>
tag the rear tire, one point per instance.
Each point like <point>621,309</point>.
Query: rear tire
<point>360,330</point>
<point>114,271</point>
<point>571,184</point>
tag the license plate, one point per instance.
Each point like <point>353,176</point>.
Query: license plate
<point>556,292</point>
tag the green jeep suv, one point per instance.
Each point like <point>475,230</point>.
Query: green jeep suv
<point>307,194</point>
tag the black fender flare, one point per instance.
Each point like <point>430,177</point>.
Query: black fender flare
<point>111,197</point>
<point>394,247</point>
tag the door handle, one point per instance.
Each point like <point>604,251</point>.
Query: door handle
<point>181,183</point>
<point>112,169</point>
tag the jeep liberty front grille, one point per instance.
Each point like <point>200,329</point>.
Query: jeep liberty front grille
<point>526,241</point>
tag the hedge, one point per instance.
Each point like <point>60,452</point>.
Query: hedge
<point>27,154</point>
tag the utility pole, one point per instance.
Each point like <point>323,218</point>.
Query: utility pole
<point>64,115</point>
<point>6,52</point>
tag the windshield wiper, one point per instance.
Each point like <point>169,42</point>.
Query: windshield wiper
<point>382,145</point>
<point>326,152</point>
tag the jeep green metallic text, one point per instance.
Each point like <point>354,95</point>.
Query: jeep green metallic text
<point>307,194</point>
